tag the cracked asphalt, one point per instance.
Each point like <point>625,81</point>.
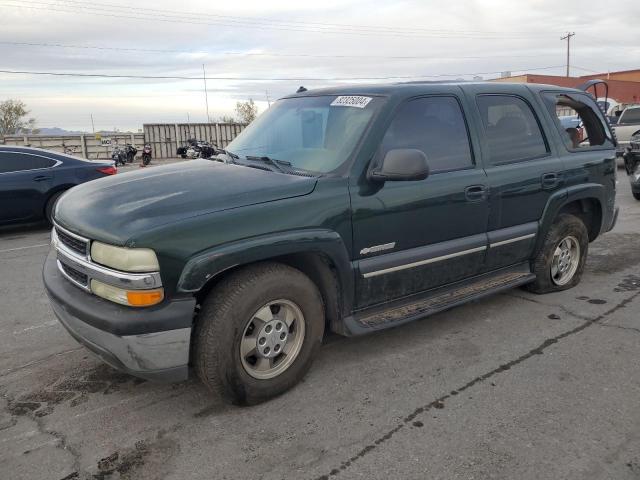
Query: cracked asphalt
<point>516,386</point>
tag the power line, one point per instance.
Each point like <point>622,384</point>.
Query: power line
<point>586,69</point>
<point>95,9</point>
<point>264,54</point>
<point>270,79</point>
<point>281,22</point>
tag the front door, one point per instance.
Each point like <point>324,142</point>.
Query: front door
<point>410,236</point>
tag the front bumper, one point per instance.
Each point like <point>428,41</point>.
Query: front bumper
<point>151,343</point>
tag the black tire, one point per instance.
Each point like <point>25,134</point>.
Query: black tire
<point>183,155</point>
<point>564,226</point>
<point>222,321</point>
<point>51,204</point>
<point>636,195</point>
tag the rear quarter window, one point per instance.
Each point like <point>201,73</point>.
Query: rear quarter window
<point>579,121</point>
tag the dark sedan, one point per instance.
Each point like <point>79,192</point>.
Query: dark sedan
<point>32,180</point>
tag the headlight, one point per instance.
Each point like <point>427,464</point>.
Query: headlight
<point>125,259</point>
<point>131,298</point>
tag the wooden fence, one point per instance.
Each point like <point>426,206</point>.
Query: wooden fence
<point>164,139</point>
<point>86,146</point>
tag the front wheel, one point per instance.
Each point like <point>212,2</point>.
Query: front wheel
<point>636,195</point>
<point>258,332</point>
<point>560,262</point>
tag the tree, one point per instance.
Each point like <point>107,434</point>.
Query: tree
<point>227,119</point>
<point>247,111</point>
<point>13,119</point>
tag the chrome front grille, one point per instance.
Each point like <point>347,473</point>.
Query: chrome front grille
<point>73,242</point>
<point>74,261</point>
<point>75,275</point>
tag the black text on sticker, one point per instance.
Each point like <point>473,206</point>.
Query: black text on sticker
<point>351,101</point>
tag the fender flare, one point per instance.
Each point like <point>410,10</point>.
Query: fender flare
<point>566,196</point>
<point>211,262</point>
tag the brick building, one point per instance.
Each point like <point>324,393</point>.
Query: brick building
<point>624,86</point>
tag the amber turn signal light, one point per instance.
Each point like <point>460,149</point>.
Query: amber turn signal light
<point>145,298</point>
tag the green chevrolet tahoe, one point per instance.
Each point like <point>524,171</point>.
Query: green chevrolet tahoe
<point>348,209</point>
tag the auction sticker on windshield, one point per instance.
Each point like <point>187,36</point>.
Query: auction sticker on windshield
<point>351,101</point>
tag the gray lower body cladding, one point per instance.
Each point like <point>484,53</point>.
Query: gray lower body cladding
<point>161,354</point>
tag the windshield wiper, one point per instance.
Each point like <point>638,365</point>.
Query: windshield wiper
<point>271,161</point>
<point>229,154</point>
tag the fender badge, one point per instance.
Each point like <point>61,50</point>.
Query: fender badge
<point>378,248</point>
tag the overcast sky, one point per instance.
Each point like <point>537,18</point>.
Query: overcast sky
<point>332,41</point>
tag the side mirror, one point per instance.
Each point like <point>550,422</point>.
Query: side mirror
<point>401,164</point>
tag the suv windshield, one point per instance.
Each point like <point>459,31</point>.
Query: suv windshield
<point>317,134</point>
<point>630,115</point>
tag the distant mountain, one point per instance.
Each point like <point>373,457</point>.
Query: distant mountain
<point>58,131</point>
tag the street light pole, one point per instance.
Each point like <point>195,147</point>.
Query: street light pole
<point>206,96</point>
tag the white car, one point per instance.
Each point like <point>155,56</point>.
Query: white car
<point>628,125</point>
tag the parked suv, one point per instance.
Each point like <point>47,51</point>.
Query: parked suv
<point>632,164</point>
<point>348,209</point>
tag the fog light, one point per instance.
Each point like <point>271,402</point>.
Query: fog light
<point>131,298</point>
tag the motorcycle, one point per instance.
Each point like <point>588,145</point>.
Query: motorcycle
<point>119,155</point>
<point>146,154</point>
<point>130,152</point>
<point>196,149</point>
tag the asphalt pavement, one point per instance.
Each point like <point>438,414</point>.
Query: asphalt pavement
<point>516,386</point>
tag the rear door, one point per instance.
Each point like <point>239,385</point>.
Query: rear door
<point>523,170</point>
<point>25,180</point>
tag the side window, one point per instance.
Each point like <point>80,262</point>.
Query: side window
<point>578,120</point>
<point>630,116</point>
<point>436,126</point>
<point>512,130</point>
<point>16,162</point>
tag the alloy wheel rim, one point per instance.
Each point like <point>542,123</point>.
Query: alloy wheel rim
<point>272,339</point>
<point>565,261</point>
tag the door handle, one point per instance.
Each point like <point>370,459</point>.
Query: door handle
<point>550,180</point>
<point>41,178</point>
<point>475,193</point>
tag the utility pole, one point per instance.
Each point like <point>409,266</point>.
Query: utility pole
<point>567,37</point>
<point>268,99</point>
<point>206,96</point>
<point>93,127</point>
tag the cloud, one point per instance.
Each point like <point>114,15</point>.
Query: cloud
<point>449,38</point>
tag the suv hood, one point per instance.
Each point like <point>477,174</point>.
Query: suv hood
<point>113,209</point>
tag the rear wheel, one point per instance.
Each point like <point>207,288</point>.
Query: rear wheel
<point>51,205</point>
<point>636,195</point>
<point>560,262</point>
<point>257,333</point>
